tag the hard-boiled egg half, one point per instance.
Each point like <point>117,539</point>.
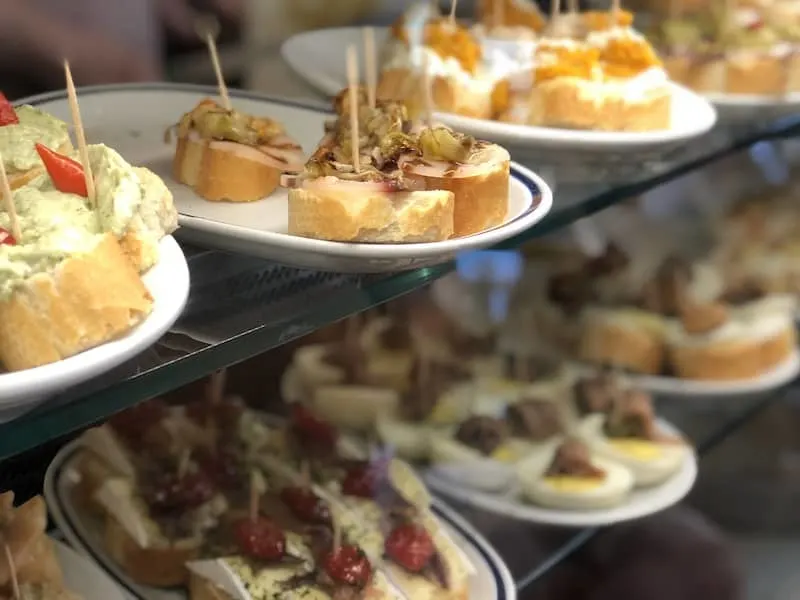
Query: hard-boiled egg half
<point>409,440</point>
<point>472,466</point>
<point>651,461</point>
<point>565,474</point>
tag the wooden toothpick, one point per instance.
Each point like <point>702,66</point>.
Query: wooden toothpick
<point>352,83</point>
<point>207,27</point>
<point>427,93</point>
<point>80,136</point>
<point>369,63</point>
<point>616,7</point>
<point>183,462</point>
<point>8,201</point>
<point>572,7</point>
<point>498,13</point>
<point>216,386</point>
<point>555,10</point>
<point>254,495</point>
<point>12,569</point>
<point>337,534</point>
<point>453,7</point>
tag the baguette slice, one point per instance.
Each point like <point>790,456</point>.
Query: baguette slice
<point>574,103</point>
<point>332,209</point>
<point>480,190</point>
<point>88,299</point>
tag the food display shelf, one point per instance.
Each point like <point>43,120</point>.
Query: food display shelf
<point>241,306</point>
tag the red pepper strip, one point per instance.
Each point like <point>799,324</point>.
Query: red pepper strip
<point>6,238</point>
<point>67,174</point>
<point>8,116</point>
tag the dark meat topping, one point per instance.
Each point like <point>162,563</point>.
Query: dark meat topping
<point>534,419</point>
<point>746,291</point>
<point>396,337</point>
<point>612,261</point>
<point>664,294</point>
<point>632,417</point>
<point>572,459</point>
<point>484,434</point>
<point>429,381</point>
<point>571,290</point>
<point>596,394</point>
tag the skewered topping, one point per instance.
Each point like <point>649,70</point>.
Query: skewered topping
<point>484,434</point>
<point>260,538</point>
<point>6,239</point>
<point>349,565</point>
<point>573,459</point>
<point>444,144</point>
<point>665,292</point>
<point>613,260</point>
<point>67,175</point>
<point>410,546</point>
<point>173,492</point>
<point>223,466</point>
<point>212,121</point>
<point>627,56</point>
<point>360,481</point>
<point>534,419</point>
<point>698,319</point>
<point>446,39</point>
<point>571,290</point>
<point>315,434</point>
<point>396,337</point>
<point>429,381</point>
<point>306,505</point>
<point>742,293</point>
<point>566,61</point>
<point>8,116</point>
<point>633,417</point>
<point>531,368</point>
<point>596,394</point>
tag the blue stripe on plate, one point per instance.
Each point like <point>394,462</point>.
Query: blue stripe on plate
<point>96,556</point>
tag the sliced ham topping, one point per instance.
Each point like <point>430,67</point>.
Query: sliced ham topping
<point>572,459</point>
<point>534,419</point>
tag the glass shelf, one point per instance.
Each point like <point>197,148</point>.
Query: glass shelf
<point>241,306</point>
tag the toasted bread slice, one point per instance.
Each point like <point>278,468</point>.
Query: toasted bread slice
<point>88,299</point>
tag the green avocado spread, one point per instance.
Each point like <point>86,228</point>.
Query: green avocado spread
<point>55,225</point>
<point>17,142</point>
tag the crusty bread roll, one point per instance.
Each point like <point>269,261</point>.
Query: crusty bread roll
<point>88,299</point>
<point>626,338</point>
<point>480,191</point>
<point>575,103</point>
<point>331,209</point>
<point>224,171</point>
<point>746,72</point>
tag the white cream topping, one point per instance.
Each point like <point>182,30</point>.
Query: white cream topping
<point>414,58</point>
<point>744,323</point>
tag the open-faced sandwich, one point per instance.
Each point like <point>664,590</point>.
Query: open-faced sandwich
<point>228,155</point>
<point>71,281</point>
<point>29,568</point>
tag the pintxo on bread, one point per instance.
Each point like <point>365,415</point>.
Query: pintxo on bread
<point>72,281</point>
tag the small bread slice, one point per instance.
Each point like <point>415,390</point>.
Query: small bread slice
<point>480,191</point>
<point>750,73</point>
<point>574,103</point>
<point>88,299</point>
<point>222,171</point>
<point>331,209</point>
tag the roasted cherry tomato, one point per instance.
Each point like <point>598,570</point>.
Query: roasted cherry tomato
<point>348,564</point>
<point>133,423</point>
<point>312,431</point>
<point>6,238</point>
<point>410,546</point>
<point>8,116</point>
<point>172,493</point>
<point>67,174</point>
<point>306,505</point>
<point>222,466</point>
<point>261,538</point>
<point>360,481</point>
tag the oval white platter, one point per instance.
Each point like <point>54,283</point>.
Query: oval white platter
<point>747,107</point>
<point>490,581</point>
<point>85,578</point>
<point>641,502</point>
<point>318,57</point>
<point>133,118</point>
<point>168,282</point>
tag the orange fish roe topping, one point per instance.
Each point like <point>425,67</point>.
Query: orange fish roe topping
<point>501,97</point>
<point>566,61</point>
<point>626,57</point>
<point>596,20</point>
<point>447,40</point>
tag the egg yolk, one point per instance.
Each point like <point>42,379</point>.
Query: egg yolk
<point>504,454</point>
<point>638,449</point>
<point>570,483</point>
<point>444,413</point>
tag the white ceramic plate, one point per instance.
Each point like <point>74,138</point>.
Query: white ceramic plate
<point>672,387</point>
<point>318,57</point>
<point>745,107</point>
<point>491,581</point>
<point>133,118</point>
<point>510,504</point>
<point>168,282</point>
<point>85,578</point>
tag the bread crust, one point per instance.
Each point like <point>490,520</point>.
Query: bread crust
<point>372,216</point>
<point>88,299</point>
<point>480,201</point>
<point>448,95</point>
<point>732,360</point>
<point>220,175</point>
<point>573,103</point>
<point>162,565</point>
<point>748,73</point>
<point>608,340</point>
